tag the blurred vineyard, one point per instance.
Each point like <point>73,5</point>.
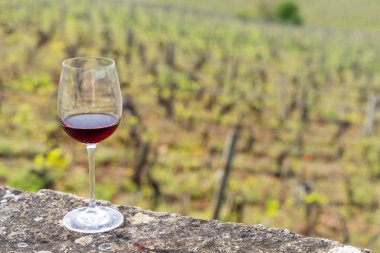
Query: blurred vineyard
<point>302,101</point>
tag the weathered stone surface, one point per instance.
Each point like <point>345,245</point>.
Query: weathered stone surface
<point>31,222</point>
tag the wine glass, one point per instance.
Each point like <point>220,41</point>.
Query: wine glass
<point>89,110</point>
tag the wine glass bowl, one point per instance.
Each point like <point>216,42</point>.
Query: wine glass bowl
<point>89,85</point>
<point>89,110</point>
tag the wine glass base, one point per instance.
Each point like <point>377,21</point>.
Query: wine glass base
<point>93,219</point>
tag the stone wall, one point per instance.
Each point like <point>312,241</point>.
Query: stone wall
<point>31,222</point>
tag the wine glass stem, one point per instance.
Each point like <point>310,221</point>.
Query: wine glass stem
<point>91,170</point>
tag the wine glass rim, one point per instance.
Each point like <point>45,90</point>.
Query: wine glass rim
<point>111,62</point>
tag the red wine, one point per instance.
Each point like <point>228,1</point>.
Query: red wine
<point>90,127</point>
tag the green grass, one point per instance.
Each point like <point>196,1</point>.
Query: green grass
<point>340,14</point>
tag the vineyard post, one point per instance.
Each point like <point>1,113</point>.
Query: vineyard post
<point>228,155</point>
<point>283,96</point>
<point>369,119</point>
